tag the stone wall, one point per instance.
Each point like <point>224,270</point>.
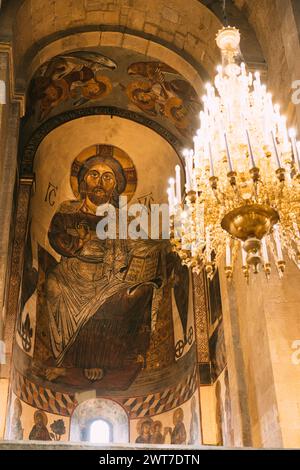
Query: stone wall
<point>275,24</point>
<point>189,28</point>
<point>262,332</point>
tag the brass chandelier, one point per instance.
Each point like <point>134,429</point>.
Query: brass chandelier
<point>242,177</point>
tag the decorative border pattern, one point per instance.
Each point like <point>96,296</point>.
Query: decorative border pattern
<point>16,269</point>
<point>201,314</point>
<point>39,45</point>
<point>161,402</point>
<point>28,149</point>
<point>65,403</point>
<point>53,402</point>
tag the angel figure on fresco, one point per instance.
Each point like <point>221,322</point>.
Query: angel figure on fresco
<point>160,93</point>
<point>98,303</point>
<point>92,89</point>
<point>74,76</point>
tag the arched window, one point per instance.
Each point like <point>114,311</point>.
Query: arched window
<point>100,432</point>
<point>100,421</point>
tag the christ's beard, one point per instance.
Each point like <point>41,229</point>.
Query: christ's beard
<point>98,197</point>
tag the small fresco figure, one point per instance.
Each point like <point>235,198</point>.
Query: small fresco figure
<point>157,437</point>
<point>219,414</point>
<point>178,435</point>
<point>39,432</point>
<point>144,429</point>
<point>194,424</point>
<point>16,431</point>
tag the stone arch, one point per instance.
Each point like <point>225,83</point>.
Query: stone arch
<point>30,147</point>
<point>178,33</point>
<point>193,72</point>
<point>99,408</point>
<point>188,30</point>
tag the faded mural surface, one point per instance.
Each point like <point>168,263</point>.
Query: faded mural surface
<point>127,81</point>
<point>97,304</point>
<point>180,426</point>
<point>102,315</point>
<point>112,319</point>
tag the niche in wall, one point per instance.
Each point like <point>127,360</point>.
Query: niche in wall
<point>95,411</point>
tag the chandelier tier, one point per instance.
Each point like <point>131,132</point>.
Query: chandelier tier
<point>242,177</point>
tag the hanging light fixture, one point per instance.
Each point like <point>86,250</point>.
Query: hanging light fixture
<point>242,177</point>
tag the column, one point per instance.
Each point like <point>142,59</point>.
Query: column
<point>262,332</point>
<point>9,129</point>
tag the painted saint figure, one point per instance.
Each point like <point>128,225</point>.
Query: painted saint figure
<point>144,428</point>
<point>39,432</point>
<point>219,414</point>
<point>157,437</point>
<point>99,316</point>
<point>16,430</point>
<point>194,424</point>
<point>178,435</point>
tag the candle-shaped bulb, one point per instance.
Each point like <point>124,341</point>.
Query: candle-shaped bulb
<point>276,150</point>
<point>292,133</point>
<point>172,192</point>
<point>188,171</point>
<point>257,84</point>
<point>284,133</point>
<point>178,183</point>
<point>278,243</point>
<point>277,108</point>
<point>171,201</point>
<point>265,255</point>
<point>250,150</point>
<point>228,253</point>
<point>296,153</point>
<point>183,215</point>
<point>244,257</point>
<point>211,161</point>
<point>228,153</point>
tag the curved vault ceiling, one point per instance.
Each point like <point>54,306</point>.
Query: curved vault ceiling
<point>153,158</point>
<point>188,28</point>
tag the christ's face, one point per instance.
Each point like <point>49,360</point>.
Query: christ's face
<point>100,183</point>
